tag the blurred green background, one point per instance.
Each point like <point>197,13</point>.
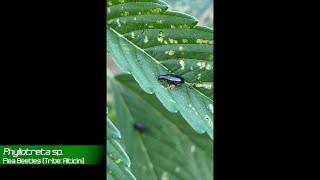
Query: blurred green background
<point>201,9</point>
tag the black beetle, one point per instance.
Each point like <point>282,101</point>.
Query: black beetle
<point>140,127</point>
<point>171,79</point>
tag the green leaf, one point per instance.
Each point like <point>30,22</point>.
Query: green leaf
<point>169,148</point>
<point>118,161</point>
<point>147,41</point>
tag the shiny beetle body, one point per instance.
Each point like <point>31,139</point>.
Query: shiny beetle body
<point>171,79</point>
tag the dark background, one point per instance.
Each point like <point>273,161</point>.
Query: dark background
<point>53,78</point>
<point>266,76</point>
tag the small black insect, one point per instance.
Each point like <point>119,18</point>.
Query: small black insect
<point>140,127</point>
<point>171,79</point>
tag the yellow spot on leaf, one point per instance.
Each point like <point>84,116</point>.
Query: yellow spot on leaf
<point>199,76</point>
<point>181,62</point>
<point>203,41</point>
<point>199,41</point>
<point>118,161</point>
<point>201,65</point>
<point>170,52</point>
<point>160,39</point>
<point>208,67</point>
<point>205,85</point>
<point>211,108</point>
<point>118,22</point>
<point>211,57</point>
<point>184,26</point>
<point>146,40</point>
<point>110,21</point>
<point>159,21</point>
<point>126,13</point>
<point>161,34</point>
<point>156,10</point>
<point>171,100</point>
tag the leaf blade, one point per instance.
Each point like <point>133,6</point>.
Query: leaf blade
<point>172,148</point>
<point>118,162</point>
<point>155,41</point>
